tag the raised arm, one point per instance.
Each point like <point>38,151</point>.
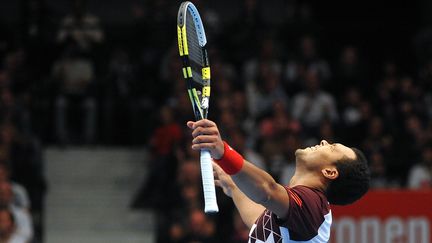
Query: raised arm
<point>255,183</point>
<point>248,209</point>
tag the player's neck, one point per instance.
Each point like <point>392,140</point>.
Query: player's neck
<point>307,178</point>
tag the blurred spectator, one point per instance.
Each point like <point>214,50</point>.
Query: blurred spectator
<point>188,181</point>
<point>412,138</point>
<point>21,216</point>
<point>307,61</point>
<point>387,97</point>
<point>349,71</point>
<point>197,228</point>
<point>80,28</point>
<point>314,105</point>
<point>200,228</point>
<point>256,68</point>
<point>420,175</point>
<point>75,73</point>
<point>24,156</point>
<point>274,131</point>
<point>8,228</point>
<point>377,137</point>
<point>163,142</point>
<point>74,77</point>
<point>379,175</point>
<point>263,93</point>
<point>239,106</point>
<point>185,203</point>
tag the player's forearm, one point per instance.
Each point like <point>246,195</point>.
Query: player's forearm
<point>248,209</point>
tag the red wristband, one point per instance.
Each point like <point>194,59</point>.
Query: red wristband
<point>231,161</point>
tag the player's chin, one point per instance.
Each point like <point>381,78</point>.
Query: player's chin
<point>300,152</point>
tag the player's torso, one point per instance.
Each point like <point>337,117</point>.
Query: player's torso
<point>267,230</point>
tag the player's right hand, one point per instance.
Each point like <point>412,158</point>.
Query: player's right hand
<point>206,136</point>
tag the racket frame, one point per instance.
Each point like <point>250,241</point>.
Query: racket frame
<point>200,107</point>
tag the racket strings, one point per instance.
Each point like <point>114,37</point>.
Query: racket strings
<point>195,50</point>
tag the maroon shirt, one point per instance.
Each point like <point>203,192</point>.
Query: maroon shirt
<point>308,219</point>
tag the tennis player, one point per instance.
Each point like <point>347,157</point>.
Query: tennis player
<point>298,212</point>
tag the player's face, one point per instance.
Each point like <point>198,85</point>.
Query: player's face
<point>323,154</point>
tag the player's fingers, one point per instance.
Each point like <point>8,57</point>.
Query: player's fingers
<point>190,124</point>
<point>204,139</point>
<point>218,183</point>
<point>197,131</point>
<point>204,131</point>
<point>204,123</point>
<point>199,146</point>
<point>217,169</point>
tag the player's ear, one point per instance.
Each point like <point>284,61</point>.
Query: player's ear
<point>330,173</point>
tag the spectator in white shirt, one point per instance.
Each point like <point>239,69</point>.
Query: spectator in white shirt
<point>8,229</point>
<point>420,175</point>
<point>23,221</point>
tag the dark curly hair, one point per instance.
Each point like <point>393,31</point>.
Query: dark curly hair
<point>352,182</point>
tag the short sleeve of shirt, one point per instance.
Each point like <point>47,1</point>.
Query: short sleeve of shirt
<point>307,207</point>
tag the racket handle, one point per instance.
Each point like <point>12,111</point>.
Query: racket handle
<point>210,203</point>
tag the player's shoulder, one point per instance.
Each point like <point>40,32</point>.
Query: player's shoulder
<point>308,214</point>
<point>309,196</point>
<point>307,191</point>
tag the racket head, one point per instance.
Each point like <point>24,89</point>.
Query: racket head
<point>192,43</point>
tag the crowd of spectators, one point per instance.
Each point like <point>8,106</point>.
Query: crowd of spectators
<point>73,80</point>
<point>271,96</point>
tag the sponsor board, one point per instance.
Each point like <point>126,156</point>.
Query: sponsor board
<point>385,216</point>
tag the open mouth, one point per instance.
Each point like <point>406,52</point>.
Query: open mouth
<point>313,147</point>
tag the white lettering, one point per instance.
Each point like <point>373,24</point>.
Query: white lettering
<point>370,230</point>
<point>374,230</point>
<point>418,230</point>
<point>393,230</point>
<point>345,230</point>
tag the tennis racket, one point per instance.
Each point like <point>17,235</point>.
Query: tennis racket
<point>196,71</point>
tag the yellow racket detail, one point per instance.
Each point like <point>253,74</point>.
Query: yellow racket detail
<point>189,72</point>
<point>206,91</point>
<point>184,39</point>
<point>184,72</point>
<point>180,42</point>
<point>206,73</point>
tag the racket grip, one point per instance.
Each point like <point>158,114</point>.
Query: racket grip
<point>210,203</point>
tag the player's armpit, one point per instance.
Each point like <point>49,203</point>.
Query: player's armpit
<point>248,209</point>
